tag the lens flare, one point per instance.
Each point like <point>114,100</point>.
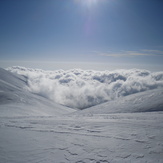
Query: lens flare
<point>87,3</point>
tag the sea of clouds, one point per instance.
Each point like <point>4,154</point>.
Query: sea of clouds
<point>81,89</point>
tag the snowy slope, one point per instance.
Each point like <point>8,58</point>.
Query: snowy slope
<point>16,100</point>
<point>36,130</point>
<point>112,138</point>
<point>147,101</point>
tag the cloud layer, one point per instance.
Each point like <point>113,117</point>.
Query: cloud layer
<point>125,53</point>
<point>78,88</point>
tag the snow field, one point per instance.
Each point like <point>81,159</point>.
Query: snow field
<point>35,129</point>
<point>127,137</point>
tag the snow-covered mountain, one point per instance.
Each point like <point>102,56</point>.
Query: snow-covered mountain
<point>148,101</point>
<point>121,129</point>
<point>16,100</point>
<point>15,92</point>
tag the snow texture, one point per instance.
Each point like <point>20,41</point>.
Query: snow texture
<point>148,101</point>
<point>82,89</point>
<point>16,100</point>
<point>34,129</point>
<point>113,138</point>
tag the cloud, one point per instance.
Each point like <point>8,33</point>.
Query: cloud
<point>125,53</point>
<point>153,51</point>
<point>78,88</point>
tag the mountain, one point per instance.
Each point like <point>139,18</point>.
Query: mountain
<point>16,100</point>
<point>148,101</point>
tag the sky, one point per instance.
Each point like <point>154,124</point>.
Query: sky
<point>93,31</point>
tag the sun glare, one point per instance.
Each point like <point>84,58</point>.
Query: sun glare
<point>90,2</point>
<point>87,3</point>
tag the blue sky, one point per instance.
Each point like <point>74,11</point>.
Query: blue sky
<point>110,31</point>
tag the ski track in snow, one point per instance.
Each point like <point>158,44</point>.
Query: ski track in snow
<point>123,137</point>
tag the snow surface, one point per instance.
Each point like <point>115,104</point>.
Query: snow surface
<point>16,100</point>
<point>37,130</point>
<point>148,101</point>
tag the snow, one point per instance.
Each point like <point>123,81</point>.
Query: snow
<point>35,129</point>
<point>113,138</point>
<point>148,101</point>
<point>16,100</point>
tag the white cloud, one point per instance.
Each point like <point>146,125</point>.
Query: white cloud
<point>125,53</point>
<point>80,88</point>
<point>153,51</point>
